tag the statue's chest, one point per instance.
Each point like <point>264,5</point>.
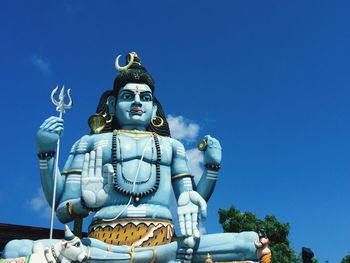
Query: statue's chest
<point>127,148</point>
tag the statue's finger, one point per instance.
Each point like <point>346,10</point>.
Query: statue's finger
<point>54,125</point>
<point>108,170</point>
<point>58,129</point>
<point>203,207</point>
<point>107,176</point>
<point>182,224</point>
<point>51,121</point>
<point>210,141</point>
<point>207,137</point>
<point>47,121</point>
<point>195,229</point>
<point>204,213</point>
<point>92,163</point>
<point>98,165</point>
<point>188,224</point>
<point>216,143</point>
<point>84,172</point>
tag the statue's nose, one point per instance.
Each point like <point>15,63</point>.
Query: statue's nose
<point>137,99</point>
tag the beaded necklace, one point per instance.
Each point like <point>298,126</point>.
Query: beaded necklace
<point>126,180</point>
<point>137,196</point>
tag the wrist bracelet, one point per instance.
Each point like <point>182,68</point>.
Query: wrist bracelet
<point>213,167</point>
<point>46,155</point>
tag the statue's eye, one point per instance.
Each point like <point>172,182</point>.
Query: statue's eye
<point>146,97</point>
<point>77,244</point>
<point>126,96</point>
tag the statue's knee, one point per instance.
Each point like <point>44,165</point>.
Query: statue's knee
<point>245,240</point>
<point>18,248</point>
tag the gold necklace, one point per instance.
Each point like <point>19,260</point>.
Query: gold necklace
<point>135,134</point>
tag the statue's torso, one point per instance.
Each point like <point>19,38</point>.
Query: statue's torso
<point>136,157</point>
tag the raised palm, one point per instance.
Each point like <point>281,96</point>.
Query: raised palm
<point>190,205</point>
<point>96,180</point>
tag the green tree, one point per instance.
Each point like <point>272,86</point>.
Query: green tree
<point>232,220</point>
<point>346,259</point>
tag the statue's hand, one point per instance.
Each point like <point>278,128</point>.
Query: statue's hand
<point>190,204</point>
<point>96,181</point>
<point>212,154</point>
<point>49,133</point>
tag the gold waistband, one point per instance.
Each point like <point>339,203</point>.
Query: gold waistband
<point>136,232</point>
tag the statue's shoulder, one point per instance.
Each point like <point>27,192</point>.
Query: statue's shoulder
<point>100,140</point>
<point>100,137</point>
<point>82,145</point>
<point>175,144</point>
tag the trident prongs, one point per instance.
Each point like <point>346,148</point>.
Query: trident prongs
<point>60,106</point>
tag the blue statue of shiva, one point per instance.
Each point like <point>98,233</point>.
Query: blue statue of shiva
<point>124,172</point>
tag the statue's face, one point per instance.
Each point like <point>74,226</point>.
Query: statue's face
<point>134,106</point>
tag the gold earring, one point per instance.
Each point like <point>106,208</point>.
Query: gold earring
<point>107,117</point>
<point>153,121</point>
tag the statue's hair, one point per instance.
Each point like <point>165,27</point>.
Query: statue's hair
<point>135,74</point>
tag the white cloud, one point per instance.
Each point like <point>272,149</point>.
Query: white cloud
<point>182,129</point>
<point>39,204</point>
<point>186,130</point>
<point>42,64</point>
<point>195,159</point>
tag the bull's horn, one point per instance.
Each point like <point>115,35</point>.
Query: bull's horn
<point>68,235</point>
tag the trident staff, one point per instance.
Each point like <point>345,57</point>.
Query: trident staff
<point>61,108</point>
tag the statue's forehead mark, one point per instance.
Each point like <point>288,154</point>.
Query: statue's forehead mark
<point>137,88</point>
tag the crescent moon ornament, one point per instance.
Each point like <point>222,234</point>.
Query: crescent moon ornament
<point>123,68</point>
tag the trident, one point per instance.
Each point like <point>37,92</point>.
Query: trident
<point>61,108</point>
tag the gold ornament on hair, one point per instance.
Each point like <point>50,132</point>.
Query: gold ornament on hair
<point>153,121</point>
<point>126,67</point>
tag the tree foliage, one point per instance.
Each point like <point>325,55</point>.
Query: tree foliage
<point>346,259</point>
<point>232,220</point>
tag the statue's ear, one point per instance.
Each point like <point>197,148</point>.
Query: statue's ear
<point>111,101</point>
<point>154,110</point>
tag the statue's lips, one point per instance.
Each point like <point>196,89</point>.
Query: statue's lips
<point>138,111</point>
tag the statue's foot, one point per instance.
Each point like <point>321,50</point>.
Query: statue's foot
<point>185,252</point>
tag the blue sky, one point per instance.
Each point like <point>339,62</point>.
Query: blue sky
<point>269,79</point>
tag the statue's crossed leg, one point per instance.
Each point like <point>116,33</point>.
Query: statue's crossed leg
<point>222,247</point>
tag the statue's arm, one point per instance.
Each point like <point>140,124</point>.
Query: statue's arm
<point>212,163</point>
<point>190,205</point>
<point>70,205</point>
<point>182,179</point>
<point>68,182</point>
<point>46,142</point>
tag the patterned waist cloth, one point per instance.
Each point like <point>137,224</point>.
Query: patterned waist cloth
<point>137,232</point>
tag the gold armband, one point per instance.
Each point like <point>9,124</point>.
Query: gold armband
<point>181,175</point>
